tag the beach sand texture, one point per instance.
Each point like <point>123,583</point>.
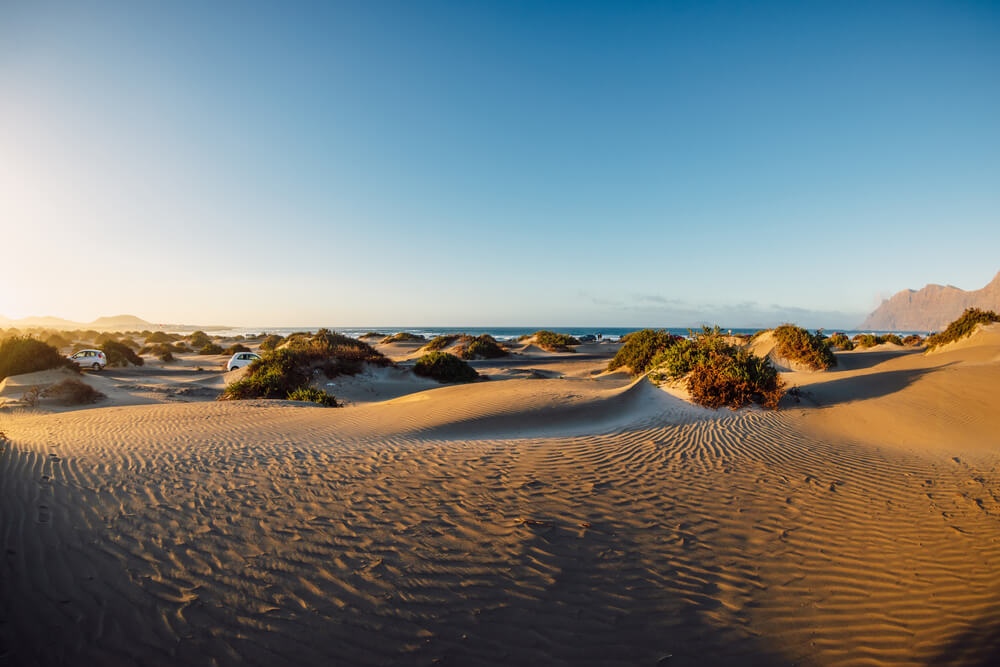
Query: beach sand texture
<point>579,518</point>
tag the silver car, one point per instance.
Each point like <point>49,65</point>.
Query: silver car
<point>92,359</point>
<point>241,359</point>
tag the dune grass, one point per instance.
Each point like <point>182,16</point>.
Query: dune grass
<point>403,337</point>
<point>797,344</point>
<point>445,368</point>
<point>840,341</point>
<point>914,340</point>
<point>551,341</point>
<point>483,347</point>
<point>160,337</point>
<point>640,348</point>
<point>118,354</point>
<point>961,327</point>
<point>198,339</point>
<point>443,341</point>
<point>211,348</point>
<point>281,372</point>
<point>311,395</point>
<point>72,391</point>
<point>270,342</point>
<point>24,354</point>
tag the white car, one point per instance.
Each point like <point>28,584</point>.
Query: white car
<point>241,359</point>
<point>92,359</point>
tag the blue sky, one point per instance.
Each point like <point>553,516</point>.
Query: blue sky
<point>495,163</point>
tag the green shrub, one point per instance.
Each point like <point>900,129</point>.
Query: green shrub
<point>685,354</point>
<point>962,327</point>
<point>444,367</point>
<point>797,344</point>
<point>735,380</point>
<point>718,373</point>
<point>270,342</point>
<point>119,354</point>
<point>640,348</point>
<point>23,354</point>
<point>890,338</point>
<point>554,342</point>
<point>211,348</point>
<point>199,339</point>
<point>403,337</point>
<point>865,340</point>
<point>372,334</point>
<point>840,341</point>
<point>238,347</point>
<point>483,347</point>
<point>913,339</point>
<point>282,371</point>
<point>72,392</point>
<point>443,341</point>
<point>311,395</point>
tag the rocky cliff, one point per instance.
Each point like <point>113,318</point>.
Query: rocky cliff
<point>931,308</point>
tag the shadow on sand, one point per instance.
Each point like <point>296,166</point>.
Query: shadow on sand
<point>856,361</point>
<point>977,646</point>
<point>861,387</point>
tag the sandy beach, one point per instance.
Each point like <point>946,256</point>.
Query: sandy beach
<point>553,514</point>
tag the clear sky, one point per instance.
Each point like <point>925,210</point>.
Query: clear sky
<point>495,163</point>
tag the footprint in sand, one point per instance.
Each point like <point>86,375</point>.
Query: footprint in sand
<point>44,515</point>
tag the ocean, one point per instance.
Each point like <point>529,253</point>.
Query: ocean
<point>501,333</point>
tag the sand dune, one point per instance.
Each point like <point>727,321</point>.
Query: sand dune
<point>580,519</point>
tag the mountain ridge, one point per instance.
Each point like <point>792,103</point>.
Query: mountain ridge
<point>103,323</point>
<point>931,308</point>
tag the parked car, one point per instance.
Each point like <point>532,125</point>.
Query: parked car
<point>241,359</point>
<point>92,359</point>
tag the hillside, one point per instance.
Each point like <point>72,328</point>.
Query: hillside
<point>931,308</point>
<point>112,323</point>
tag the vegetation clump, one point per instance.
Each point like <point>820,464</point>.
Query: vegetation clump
<point>403,337</point>
<point>865,340</point>
<point>371,334</point>
<point>279,373</point>
<point>871,340</point>
<point>735,380</point>
<point>270,342</point>
<point>238,347</point>
<point>199,339</point>
<point>962,327</point>
<point>119,354</point>
<point>72,392</point>
<point>640,348</point>
<point>159,337</point>
<point>797,344</point>
<point>840,341</point>
<point>551,341</point>
<point>163,352</point>
<point>211,348</point>
<point>913,339</point>
<point>718,373</point>
<point>483,347</point>
<point>57,341</point>
<point>444,367</point>
<point>311,395</point>
<point>443,341</point>
<point>23,354</point>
